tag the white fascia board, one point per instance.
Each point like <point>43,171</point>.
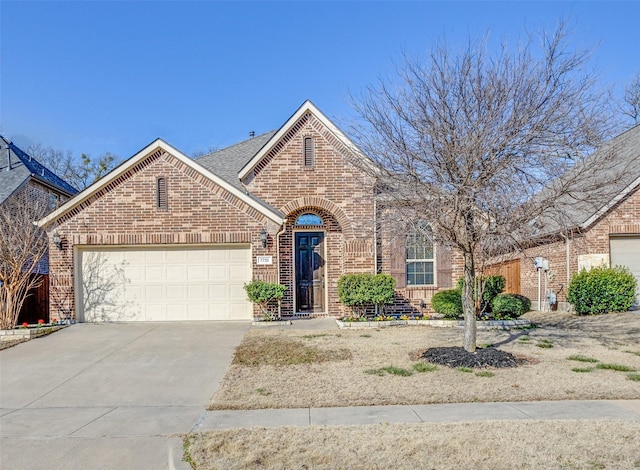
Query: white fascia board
<point>158,143</point>
<point>612,203</point>
<point>307,106</point>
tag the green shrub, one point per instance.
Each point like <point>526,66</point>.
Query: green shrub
<point>602,290</point>
<point>361,290</point>
<point>265,294</point>
<point>493,285</point>
<point>509,306</point>
<point>382,289</point>
<point>447,303</point>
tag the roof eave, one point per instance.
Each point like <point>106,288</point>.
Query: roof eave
<point>121,169</point>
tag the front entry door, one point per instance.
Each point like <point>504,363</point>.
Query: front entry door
<point>310,272</point>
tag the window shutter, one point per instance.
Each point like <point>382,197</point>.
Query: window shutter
<point>444,268</point>
<point>162,201</point>
<point>308,151</point>
<point>398,261</point>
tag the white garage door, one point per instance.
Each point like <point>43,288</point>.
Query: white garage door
<point>163,284</point>
<point>625,251</point>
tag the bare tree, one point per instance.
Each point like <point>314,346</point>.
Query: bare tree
<point>22,247</point>
<point>467,140</point>
<point>631,105</point>
<point>79,173</point>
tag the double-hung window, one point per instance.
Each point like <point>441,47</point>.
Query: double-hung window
<point>420,258</point>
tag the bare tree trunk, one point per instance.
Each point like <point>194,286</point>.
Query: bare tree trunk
<point>469,304</point>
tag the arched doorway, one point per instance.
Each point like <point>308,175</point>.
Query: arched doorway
<point>309,264</point>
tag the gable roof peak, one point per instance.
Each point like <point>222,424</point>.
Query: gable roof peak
<point>306,107</point>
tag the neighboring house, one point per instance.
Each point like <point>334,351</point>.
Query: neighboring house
<point>164,237</point>
<point>603,233</point>
<point>21,175</point>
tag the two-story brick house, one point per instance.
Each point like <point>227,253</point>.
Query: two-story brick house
<point>164,237</point>
<point>24,179</point>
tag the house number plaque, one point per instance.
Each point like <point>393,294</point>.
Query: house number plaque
<point>264,260</point>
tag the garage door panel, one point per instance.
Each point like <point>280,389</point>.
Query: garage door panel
<point>237,292</point>
<point>196,273</point>
<point>238,256</point>
<point>218,272</point>
<point>159,284</point>
<point>153,273</point>
<point>237,272</point>
<point>625,251</point>
<point>176,273</point>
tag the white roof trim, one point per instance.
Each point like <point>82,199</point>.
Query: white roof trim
<point>142,154</point>
<point>307,106</point>
<point>612,203</point>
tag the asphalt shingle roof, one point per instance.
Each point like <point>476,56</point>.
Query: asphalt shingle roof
<point>16,167</point>
<point>604,176</point>
<point>228,162</point>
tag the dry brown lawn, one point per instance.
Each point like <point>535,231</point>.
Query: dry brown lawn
<point>495,445</point>
<point>349,379</point>
<point>282,368</point>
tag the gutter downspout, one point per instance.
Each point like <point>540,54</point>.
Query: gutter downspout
<point>375,241</point>
<point>282,230</point>
<point>568,254</point>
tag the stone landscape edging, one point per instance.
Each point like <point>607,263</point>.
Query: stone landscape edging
<point>481,325</point>
<point>28,333</point>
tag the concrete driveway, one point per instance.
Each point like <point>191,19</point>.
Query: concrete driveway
<point>103,396</point>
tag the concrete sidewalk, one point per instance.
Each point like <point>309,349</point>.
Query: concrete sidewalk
<point>446,413</point>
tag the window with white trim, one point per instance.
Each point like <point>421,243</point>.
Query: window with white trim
<point>420,258</point>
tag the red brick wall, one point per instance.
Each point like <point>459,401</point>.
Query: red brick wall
<point>125,213</point>
<point>624,218</point>
<point>333,188</point>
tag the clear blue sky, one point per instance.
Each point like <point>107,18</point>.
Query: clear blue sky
<point>112,76</point>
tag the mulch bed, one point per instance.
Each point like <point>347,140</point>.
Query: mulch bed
<point>459,357</point>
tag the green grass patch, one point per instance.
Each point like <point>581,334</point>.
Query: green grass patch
<point>392,370</point>
<point>275,351</point>
<point>485,345</point>
<point>637,353</point>
<point>582,369</point>
<point>524,339</point>
<point>618,367</point>
<point>545,343</point>
<point>634,377</point>
<point>484,373</point>
<point>579,358</point>
<point>424,367</point>
<point>320,335</point>
<point>365,336</point>
<point>464,369</point>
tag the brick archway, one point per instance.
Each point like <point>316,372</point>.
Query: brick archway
<point>311,202</point>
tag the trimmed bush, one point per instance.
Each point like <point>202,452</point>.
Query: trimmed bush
<point>493,285</point>
<point>602,290</point>
<point>447,303</point>
<point>509,306</point>
<point>359,291</point>
<point>265,294</point>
